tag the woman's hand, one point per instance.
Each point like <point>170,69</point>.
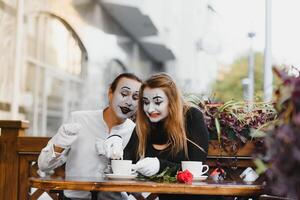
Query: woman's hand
<point>147,166</point>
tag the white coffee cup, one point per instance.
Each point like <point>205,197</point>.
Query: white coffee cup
<point>122,167</point>
<point>249,175</point>
<point>195,167</point>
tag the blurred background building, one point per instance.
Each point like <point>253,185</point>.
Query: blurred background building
<point>59,56</point>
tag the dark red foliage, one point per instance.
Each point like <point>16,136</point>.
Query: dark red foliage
<point>235,121</point>
<point>283,142</point>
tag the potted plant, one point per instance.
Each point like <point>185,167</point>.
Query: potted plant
<point>231,123</point>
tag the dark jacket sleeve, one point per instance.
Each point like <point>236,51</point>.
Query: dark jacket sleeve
<point>130,151</point>
<point>196,132</point>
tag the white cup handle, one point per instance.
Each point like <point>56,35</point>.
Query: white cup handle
<point>206,170</point>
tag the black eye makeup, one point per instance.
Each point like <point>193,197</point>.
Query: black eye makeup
<point>125,93</point>
<point>157,99</point>
<point>158,102</point>
<point>145,101</point>
<point>135,96</point>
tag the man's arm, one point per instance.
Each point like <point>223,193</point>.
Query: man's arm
<point>56,151</point>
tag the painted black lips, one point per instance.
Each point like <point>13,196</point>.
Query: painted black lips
<point>125,110</point>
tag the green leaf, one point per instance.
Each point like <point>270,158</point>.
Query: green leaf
<point>256,133</point>
<point>193,98</point>
<point>261,166</point>
<point>225,105</point>
<point>164,176</point>
<point>218,127</point>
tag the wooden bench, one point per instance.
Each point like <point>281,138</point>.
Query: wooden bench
<point>19,153</point>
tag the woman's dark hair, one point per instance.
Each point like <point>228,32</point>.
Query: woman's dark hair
<point>115,82</point>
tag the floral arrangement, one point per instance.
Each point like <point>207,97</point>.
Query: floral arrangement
<point>171,175</point>
<point>167,176</point>
<point>283,140</point>
<point>232,123</point>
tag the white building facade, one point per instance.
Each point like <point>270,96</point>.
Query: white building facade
<point>190,29</point>
<point>59,56</point>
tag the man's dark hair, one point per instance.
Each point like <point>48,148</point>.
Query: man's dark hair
<point>115,82</point>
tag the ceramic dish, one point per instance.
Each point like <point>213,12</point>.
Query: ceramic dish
<point>121,176</point>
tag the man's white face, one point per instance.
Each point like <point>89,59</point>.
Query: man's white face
<point>125,98</point>
<point>155,103</point>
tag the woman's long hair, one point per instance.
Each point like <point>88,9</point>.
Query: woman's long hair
<point>174,123</point>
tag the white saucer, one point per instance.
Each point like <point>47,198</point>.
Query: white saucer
<point>200,178</point>
<point>121,176</point>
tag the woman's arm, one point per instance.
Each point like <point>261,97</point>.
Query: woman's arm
<point>198,135</point>
<point>130,151</point>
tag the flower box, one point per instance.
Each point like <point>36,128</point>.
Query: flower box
<point>244,151</point>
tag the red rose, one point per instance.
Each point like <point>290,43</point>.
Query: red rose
<point>184,177</point>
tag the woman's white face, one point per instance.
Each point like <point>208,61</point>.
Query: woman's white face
<point>155,103</point>
<point>125,98</point>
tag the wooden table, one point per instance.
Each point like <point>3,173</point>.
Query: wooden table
<point>208,187</point>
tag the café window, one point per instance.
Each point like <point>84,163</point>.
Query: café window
<point>55,70</point>
<point>7,35</point>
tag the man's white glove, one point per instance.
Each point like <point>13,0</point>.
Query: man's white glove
<point>112,147</point>
<point>147,166</point>
<point>66,135</point>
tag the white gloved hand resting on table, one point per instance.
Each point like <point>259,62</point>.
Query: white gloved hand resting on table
<point>147,166</point>
<point>111,147</point>
<point>66,135</point>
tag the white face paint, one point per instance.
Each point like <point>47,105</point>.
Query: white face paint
<point>125,98</point>
<point>155,103</point>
